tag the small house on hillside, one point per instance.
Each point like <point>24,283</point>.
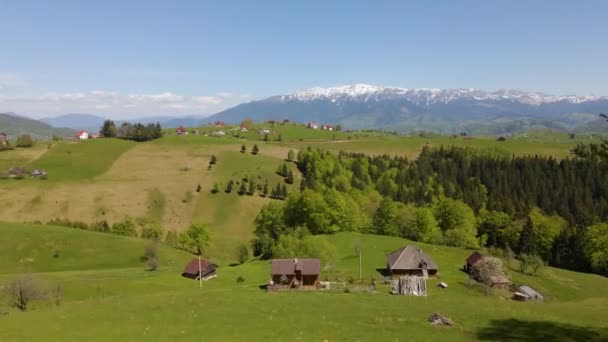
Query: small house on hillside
<point>199,269</point>
<point>295,273</point>
<point>82,135</point>
<point>472,260</point>
<point>527,293</point>
<point>410,260</point>
<point>313,125</point>
<point>3,138</point>
<point>181,130</point>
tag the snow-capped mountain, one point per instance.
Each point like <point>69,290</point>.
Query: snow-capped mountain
<point>362,106</point>
<point>364,92</point>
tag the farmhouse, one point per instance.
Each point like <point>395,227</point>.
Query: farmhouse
<point>295,273</point>
<point>82,135</point>
<point>472,260</point>
<point>199,268</point>
<point>410,260</point>
<point>313,125</point>
<point>181,130</point>
<point>3,138</point>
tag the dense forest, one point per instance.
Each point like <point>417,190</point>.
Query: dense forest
<point>128,131</point>
<point>530,205</point>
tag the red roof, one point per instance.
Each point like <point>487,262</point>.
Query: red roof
<point>180,129</point>
<point>79,133</point>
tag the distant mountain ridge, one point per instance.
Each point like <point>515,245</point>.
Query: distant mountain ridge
<point>93,123</point>
<point>477,111</point>
<point>14,125</point>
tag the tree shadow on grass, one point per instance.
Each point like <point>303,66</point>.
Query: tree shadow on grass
<point>511,330</point>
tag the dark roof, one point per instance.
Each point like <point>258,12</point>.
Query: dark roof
<point>409,258</point>
<point>290,266</point>
<point>192,266</point>
<point>473,258</point>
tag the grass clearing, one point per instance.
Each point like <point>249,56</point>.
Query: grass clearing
<point>117,300</point>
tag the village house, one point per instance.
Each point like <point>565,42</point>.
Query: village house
<point>295,273</point>
<point>218,124</point>
<point>410,260</point>
<point>3,138</point>
<point>82,135</point>
<point>472,260</point>
<point>328,127</point>
<point>181,130</point>
<point>313,125</point>
<point>199,269</point>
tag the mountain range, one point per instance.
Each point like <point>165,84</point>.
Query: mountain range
<point>362,106</point>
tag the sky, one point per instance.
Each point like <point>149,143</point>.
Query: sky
<point>128,59</point>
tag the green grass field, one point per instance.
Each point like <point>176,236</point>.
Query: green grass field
<point>118,300</point>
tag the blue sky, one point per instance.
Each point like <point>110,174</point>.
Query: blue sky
<point>135,58</point>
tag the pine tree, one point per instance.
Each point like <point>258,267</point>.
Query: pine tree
<point>265,137</point>
<point>289,178</point>
<point>290,155</point>
<point>283,191</point>
<point>265,190</point>
<point>216,188</point>
<point>243,148</point>
<point>213,160</point>
<point>255,149</point>
<point>229,186</point>
<point>284,170</point>
<point>242,189</point>
<point>251,188</point>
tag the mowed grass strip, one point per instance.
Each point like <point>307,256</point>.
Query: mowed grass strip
<point>83,160</point>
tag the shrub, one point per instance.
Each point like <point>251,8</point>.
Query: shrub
<point>151,255</point>
<point>25,288</point>
<point>125,228</point>
<point>151,232</point>
<point>240,279</point>
<point>24,140</point>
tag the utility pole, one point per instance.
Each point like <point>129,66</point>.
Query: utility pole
<point>200,275</point>
<point>359,265</point>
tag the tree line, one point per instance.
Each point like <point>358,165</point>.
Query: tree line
<point>534,206</point>
<point>129,131</point>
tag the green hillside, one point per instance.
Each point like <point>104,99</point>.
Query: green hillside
<point>14,125</point>
<point>122,301</point>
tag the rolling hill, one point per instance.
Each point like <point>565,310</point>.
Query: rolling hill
<point>444,110</point>
<point>14,125</point>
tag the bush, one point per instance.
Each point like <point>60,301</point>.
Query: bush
<point>124,228</point>
<point>152,232</point>
<point>25,288</point>
<point>24,140</point>
<point>240,279</point>
<point>151,255</point>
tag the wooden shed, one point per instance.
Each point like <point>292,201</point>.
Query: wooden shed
<point>199,269</point>
<point>527,293</point>
<point>472,260</point>
<point>410,260</point>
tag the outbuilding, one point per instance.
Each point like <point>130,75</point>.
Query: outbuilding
<point>472,260</point>
<point>410,260</point>
<point>527,293</point>
<point>199,269</point>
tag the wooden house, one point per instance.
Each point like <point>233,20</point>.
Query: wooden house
<point>3,138</point>
<point>295,273</point>
<point>181,130</point>
<point>199,268</point>
<point>410,260</point>
<point>82,135</point>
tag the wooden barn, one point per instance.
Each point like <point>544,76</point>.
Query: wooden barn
<point>199,268</point>
<point>295,273</point>
<point>410,260</point>
<point>472,260</point>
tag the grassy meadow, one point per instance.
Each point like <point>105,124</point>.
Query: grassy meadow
<point>108,291</point>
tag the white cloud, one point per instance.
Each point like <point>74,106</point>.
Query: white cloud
<point>11,80</point>
<point>116,105</point>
